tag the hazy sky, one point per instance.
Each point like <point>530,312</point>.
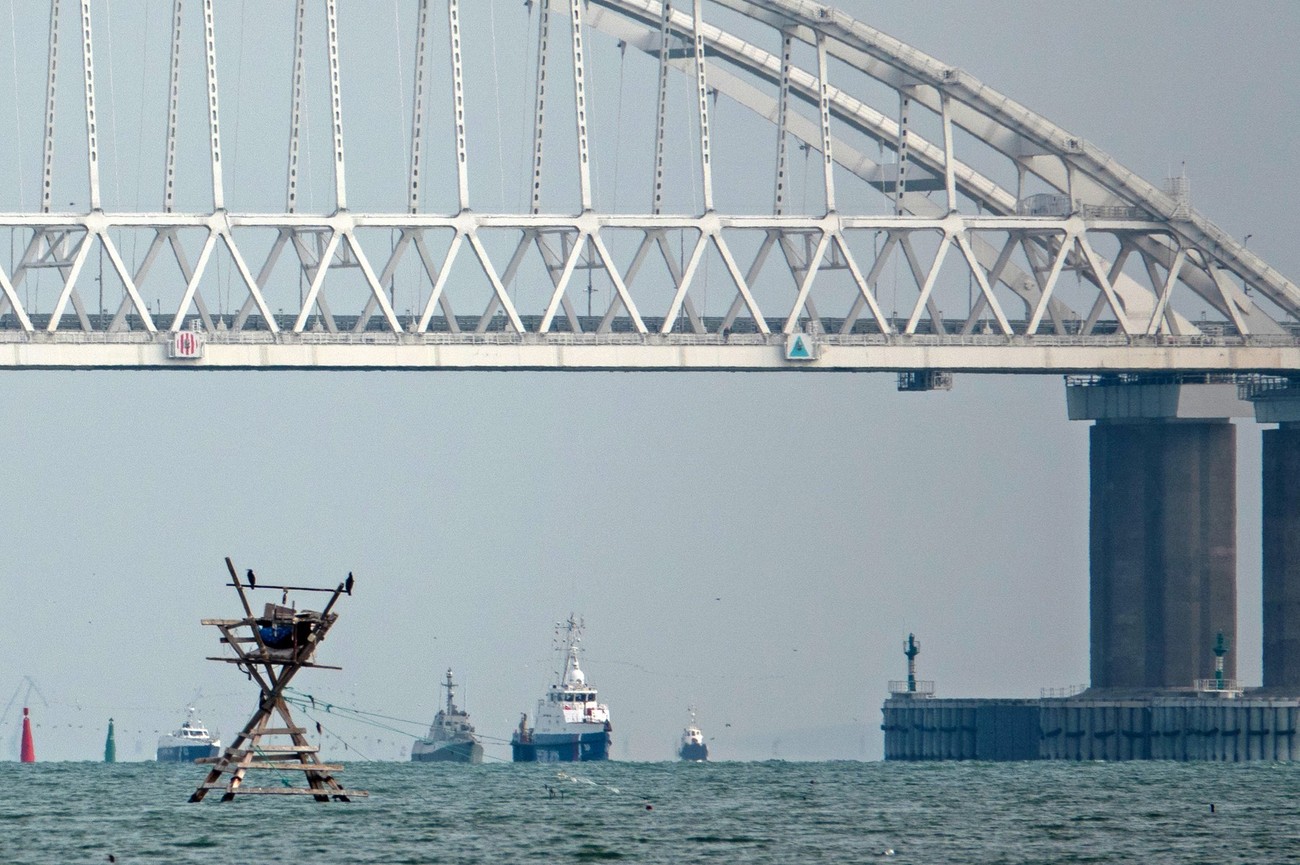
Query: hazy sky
<point>757,545</point>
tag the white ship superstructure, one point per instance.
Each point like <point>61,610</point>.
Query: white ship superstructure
<point>571,724</point>
<point>189,743</point>
<point>692,747</point>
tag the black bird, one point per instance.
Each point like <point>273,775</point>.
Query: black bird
<point>347,586</point>
<point>252,579</point>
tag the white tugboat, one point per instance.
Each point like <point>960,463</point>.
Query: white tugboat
<point>191,742</point>
<point>693,748</point>
<point>571,726</point>
<point>451,736</point>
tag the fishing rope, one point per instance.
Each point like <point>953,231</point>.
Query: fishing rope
<point>308,703</point>
<point>311,708</point>
<point>578,779</point>
<point>347,745</point>
<point>562,775</point>
<point>265,755</point>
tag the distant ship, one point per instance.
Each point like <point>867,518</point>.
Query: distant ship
<point>191,742</point>
<point>693,748</point>
<point>571,725</point>
<point>451,736</point>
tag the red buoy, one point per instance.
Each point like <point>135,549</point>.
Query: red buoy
<point>29,749</point>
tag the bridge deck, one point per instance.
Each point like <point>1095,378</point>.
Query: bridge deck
<point>618,350</point>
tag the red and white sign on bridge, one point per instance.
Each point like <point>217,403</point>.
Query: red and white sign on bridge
<point>186,345</point>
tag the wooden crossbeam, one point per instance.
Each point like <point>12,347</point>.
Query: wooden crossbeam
<point>287,588</point>
<point>303,665</point>
<point>283,791</point>
<point>287,765</point>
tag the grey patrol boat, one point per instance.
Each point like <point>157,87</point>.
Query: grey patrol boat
<point>451,736</point>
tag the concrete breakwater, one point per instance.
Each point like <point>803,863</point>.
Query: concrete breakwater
<point>1175,727</point>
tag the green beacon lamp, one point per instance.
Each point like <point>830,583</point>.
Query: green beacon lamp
<point>1220,649</point>
<point>911,649</point>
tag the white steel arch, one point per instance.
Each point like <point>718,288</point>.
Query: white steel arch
<point>1138,253</point>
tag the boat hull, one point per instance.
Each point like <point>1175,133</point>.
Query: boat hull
<point>561,748</point>
<point>186,753</point>
<point>694,752</point>
<point>448,752</point>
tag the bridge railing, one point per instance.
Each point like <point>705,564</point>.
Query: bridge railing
<point>924,688</point>
<point>1220,688</point>
<point>499,337</point>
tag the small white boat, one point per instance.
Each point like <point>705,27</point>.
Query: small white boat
<point>191,742</point>
<point>692,748</point>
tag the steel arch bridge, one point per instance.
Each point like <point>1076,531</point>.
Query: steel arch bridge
<point>931,192</point>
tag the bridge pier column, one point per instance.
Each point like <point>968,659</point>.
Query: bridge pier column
<point>1281,478</point>
<point>1163,523</point>
<point>1281,533</point>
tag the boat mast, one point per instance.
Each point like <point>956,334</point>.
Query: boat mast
<point>567,637</point>
<point>451,707</point>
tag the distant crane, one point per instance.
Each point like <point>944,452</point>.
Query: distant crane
<point>26,700</point>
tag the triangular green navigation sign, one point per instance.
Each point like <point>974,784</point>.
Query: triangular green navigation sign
<point>798,350</point>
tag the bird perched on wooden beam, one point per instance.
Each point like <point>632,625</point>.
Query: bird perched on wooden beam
<point>347,586</point>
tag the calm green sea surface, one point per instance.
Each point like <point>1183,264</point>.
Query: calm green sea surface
<point>724,812</point>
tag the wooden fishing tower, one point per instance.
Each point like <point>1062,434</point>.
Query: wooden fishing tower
<point>271,649</point>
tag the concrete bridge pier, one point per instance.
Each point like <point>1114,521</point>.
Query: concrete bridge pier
<point>1162,554</point>
<point>1280,403</point>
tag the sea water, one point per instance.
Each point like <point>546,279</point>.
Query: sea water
<point>773,812</point>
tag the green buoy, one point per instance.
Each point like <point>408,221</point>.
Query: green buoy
<point>110,746</point>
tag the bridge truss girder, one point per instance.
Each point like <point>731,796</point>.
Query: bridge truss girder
<point>1053,245</point>
<point>1132,249</point>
